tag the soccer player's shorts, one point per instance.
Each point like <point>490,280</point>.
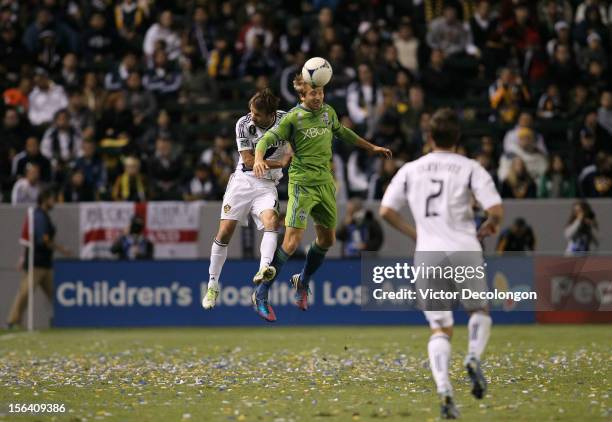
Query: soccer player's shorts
<point>449,289</point>
<point>318,201</point>
<point>246,194</point>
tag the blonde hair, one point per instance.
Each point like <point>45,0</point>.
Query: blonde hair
<point>299,85</point>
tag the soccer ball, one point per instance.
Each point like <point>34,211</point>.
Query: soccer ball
<point>317,72</point>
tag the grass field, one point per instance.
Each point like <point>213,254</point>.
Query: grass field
<point>301,374</point>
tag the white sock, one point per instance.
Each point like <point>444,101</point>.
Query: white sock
<point>267,247</point>
<point>479,329</point>
<point>218,254</point>
<point>439,350</point>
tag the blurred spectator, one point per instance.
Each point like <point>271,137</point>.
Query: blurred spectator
<point>133,245</point>
<point>364,100</point>
<point>76,188</point>
<point>81,117</point>
<point>343,73</point>
<point>163,78</point>
<point>255,35</point>
<point>604,114</point>
<point>378,182</point>
<point>517,183</point>
<point>44,247</point>
<point>484,26</point>
<point>489,165</point>
<point>31,154</point>
<point>99,41</point>
<point>18,97</point>
<point>448,34</point>
<point>129,20</point>
<point>69,76</point>
<point>535,161</point>
<point>563,71</point>
<point>202,186</point>
<point>359,231</point>
<point>162,32</point>
<point>581,229</point>
<point>407,46</point>
<point>46,36</point>
<point>257,60</point>
<point>552,12</point>
<point>116,79</point>
<point>563,37</point>
<point>389,68</point>
<point>26,189</point>
<point>583,9</point>
<point>13,134</point>
<point>117,121</point>
<point>93,94</point>
<point>517,238</point>
<point>557,181</point>
<point>594,22</point>
<point>579,103</point>
<point>287,75</point>
<point>436,77</point>
<point>46,99</point>
<point>61,143</point>
<point>294,39</point>
<point>91,165</point>
<point>549,104</point>
<point>221,61</point>
<point>165,172</point>
<point>594,51</point>
<point>142,103</point>
<point>596,180</point>
<point>200,39</point>
<point>360,167</point>
<point>220,159</point>
<point>130,186</point>
<point>584,154</point>
<point>12,52</point>
<point>339,173</point>
<point>512,141</point>
<point>507,95</point>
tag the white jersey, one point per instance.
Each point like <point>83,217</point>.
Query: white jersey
<point>438,188</point>
<point>247,136</point>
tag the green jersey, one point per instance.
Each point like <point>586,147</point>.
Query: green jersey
<point>310,134</point>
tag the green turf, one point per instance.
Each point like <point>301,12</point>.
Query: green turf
<point>302,374</point>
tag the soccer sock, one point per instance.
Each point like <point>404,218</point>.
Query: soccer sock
<point>267,247</point>
<point>314,259</point>
<point>439,350</point>
<point>479,329</point>
<point>280,257</point>
<point>218,254</point>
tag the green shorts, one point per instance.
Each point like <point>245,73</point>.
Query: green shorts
<point>318,201</point>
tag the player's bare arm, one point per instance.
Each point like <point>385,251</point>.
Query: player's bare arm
<point>249,160</point>
<point>374,149</point>
<point>397,221</point>
<point>495,215</point>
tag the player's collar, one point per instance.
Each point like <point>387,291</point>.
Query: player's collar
<point>300,105</point>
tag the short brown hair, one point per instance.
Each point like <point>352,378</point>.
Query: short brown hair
<point>445,128</point>
<point>265,101</point>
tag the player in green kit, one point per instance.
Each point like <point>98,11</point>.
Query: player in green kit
<point>310,128</point>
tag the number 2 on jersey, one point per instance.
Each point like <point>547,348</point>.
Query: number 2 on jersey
<point>437,191</point>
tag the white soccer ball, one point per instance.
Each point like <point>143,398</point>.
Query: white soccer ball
<point>317,72</point>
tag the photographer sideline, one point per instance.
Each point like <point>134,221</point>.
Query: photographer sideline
<point>581,230</point>
<point>133,245</point>
<point>359,230</point>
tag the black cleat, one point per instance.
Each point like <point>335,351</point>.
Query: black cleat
<point>479,383</point>
<point>448,410</point>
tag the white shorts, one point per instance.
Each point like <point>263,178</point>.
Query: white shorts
<point>246,194</point>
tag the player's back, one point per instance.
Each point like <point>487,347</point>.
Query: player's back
<point>438,188</point>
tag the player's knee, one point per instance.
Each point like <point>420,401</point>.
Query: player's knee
<point>224,235</point>
<point>326,242</point>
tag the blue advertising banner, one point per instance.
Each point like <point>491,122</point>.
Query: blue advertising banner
<point>168,293</point>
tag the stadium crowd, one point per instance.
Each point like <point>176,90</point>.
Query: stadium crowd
<point>137,99</point>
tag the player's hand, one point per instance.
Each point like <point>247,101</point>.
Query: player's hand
<point>385,152</point>
<point>259,168</point>
<point>488,228</point>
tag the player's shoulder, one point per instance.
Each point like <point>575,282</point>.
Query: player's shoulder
<point>281,113</point>
<point>242,125</point>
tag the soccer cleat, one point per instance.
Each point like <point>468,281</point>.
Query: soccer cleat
<point>479,383</point>
<point>264,275</point>
<point>210,300</point>
<point>448,410</point>
<point>263,308</point>
<point>301,292</point>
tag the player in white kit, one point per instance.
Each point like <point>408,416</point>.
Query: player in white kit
<point>246,194</point>
<point>438,187</point>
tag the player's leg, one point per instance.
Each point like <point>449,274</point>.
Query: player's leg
<point>479,330</point>
<point>265,214</point>
<point>325,216</point>
<point>20,302</point>
<point>218,255</point>
<point>439,352</point>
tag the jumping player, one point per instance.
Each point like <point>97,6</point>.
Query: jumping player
<point>246,193</point>
<point>439,187</point>
<point>310,128</point>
